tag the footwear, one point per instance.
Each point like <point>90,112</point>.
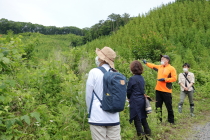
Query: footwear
<point>191,111</point>
<point>180,109</point>
<point>147,133</point>
<point>172,123</point>
<point>192,115</point>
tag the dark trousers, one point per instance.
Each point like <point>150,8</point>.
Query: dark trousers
<point>138,124</point>
<point>167,99</point>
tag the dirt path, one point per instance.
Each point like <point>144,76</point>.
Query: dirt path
<point>202,132</point>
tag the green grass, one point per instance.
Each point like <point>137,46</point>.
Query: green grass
<point>184,122</point>
<point>52,84</point>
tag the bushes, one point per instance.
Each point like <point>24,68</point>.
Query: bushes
<point>12,116</point>
<point>149,46</point>
<point>42,96</point>
<point>48,97</point>
<point>43,100</point>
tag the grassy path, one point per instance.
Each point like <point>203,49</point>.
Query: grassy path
<point>201,130</point>
<point>186,127</point>
<point>194,128</point>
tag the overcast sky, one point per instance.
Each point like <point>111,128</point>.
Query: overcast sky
<point>79,13</point>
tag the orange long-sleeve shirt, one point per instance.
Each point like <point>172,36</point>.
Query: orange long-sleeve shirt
<point>167,72</point>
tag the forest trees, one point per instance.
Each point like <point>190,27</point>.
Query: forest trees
<point>103,28</point>
<point>21,27</point>
<point>106,27</point>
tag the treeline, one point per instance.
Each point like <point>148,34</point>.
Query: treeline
<point>21,27</point>
<point>180,30</point>
<point>45,90</point>
<point>188,0</point>
<point>104,27</point>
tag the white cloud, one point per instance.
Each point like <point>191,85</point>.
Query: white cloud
<point>80,13</point>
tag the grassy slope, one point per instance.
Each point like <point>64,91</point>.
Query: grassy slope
<point>163,131</point>
<point>81,60</point>
<point>123,43</point>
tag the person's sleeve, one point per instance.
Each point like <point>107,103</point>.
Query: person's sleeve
<point>173,77</point>
<point>144,87</point>
<point>129,88</point>
<point>179,80</point>
<point>89,89</point>
<point>153,66</point>
<point>193,79</point>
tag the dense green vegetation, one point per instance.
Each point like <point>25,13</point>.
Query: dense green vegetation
<point>106,27</point>
<point>21,27</point>
<point>103,28</point>
<point>42,89</point>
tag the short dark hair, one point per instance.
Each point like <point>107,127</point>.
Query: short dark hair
<point>186,64</point>
<point>136,67</point>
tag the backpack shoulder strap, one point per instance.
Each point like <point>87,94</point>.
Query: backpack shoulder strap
<point>188,80</point>
<point>97,96</point>
<point>91,103</point>
<point>186,77</point>
<point>102,69</point>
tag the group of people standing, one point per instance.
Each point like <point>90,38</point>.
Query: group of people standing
<point>105,125</point>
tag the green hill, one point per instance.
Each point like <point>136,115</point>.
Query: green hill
<point>42,90</point>
<point>180,30</point>
<point>176,28</point>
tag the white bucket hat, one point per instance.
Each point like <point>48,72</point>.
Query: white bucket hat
<point>106,54</point>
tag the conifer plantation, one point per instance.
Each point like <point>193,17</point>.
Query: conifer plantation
<point>42,81</point>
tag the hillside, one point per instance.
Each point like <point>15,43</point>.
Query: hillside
<point>42,91</point>
<point>180,30</point>
<point>103,28</point>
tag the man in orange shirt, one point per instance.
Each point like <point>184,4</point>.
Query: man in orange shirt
<point>166,75</point>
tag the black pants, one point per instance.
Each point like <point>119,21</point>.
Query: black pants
<point>167,99</point>
<point>138,124</point>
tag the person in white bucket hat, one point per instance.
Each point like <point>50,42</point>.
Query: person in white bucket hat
<point>107,55</point>
<point>103,125</point>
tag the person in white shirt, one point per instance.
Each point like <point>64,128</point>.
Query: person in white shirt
<point>103,125</point>
<point>186,81</point>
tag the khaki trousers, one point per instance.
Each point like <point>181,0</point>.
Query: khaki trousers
<point>183,94</point>
<point>105,132</point>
